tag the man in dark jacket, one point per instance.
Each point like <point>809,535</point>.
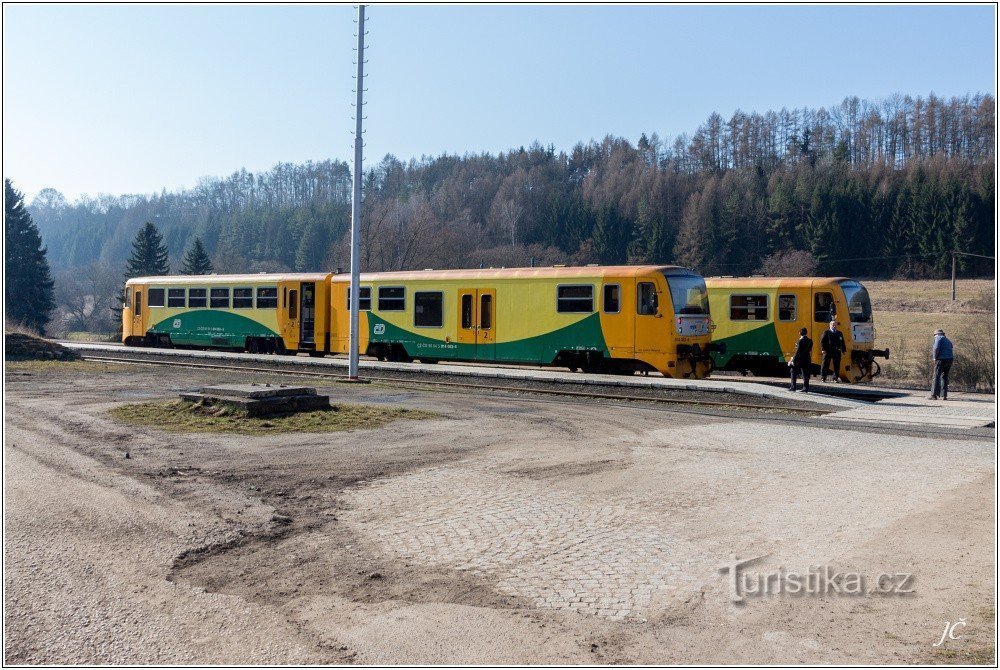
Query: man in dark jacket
<point>801,361</point>
<point>944,354</point>
<point>832,346</point>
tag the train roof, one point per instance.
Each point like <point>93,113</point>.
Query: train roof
<point>510,273</point>
<point>179,280</point>
<point>773,282</point>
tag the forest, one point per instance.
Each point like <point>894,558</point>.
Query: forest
<point>868,188</point>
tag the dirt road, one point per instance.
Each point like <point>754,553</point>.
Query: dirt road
<point>510,530</point>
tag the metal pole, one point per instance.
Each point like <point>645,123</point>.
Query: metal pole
<point>953,266</point>
<point>352,368</point>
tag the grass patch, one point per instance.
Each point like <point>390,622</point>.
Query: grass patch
<point>179,416</point>
<point>45,366</point>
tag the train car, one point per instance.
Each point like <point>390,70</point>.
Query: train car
<point>598,319</point>
<point>758,320</point>
<point>267,313</point>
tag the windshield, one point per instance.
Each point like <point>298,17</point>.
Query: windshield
<point>688,294</point>
<point>859,306</point>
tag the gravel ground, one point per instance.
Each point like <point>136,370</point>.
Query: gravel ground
<point>511,530</point>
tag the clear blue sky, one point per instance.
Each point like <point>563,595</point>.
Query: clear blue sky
<point>131,99</point>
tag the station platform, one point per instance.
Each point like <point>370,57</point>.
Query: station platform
<point>892,406</point>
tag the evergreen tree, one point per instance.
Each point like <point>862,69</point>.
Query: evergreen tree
<point>196,260</point>
<point>149,254</point>
<point>28,288</point>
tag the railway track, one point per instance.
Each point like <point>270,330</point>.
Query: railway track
<point>535,389</point>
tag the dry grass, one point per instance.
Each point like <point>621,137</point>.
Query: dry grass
<point>10,326</point>
<point>84,336</point>
<point>908,312</point>
<point>927,289</point>
<point>178,416</point>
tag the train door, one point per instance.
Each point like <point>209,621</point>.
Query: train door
<point>137,307</point>
<point>307,320</point>
<point>649,324</point>
<point>477,321</point>
<point>486,336</point>
<point>824,311</point>
<point>289,312</point>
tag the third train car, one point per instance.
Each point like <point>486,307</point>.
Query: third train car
<point>758,319</point>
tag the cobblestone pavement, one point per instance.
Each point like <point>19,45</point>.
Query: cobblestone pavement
<point>557,548</point>
<point>643,533</point>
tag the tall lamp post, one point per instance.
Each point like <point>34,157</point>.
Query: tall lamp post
<point>356,202</point>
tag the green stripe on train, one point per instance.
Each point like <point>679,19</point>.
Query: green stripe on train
<point>761,341</point>
<point>584,335</point>
<point>208,327</point>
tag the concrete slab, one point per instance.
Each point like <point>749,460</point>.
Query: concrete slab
<point>256,390</point>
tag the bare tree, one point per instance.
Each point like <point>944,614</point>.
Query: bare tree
<point>86,298</point>
<point>789,264</point>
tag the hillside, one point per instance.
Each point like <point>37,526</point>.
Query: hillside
<point>870,188</point>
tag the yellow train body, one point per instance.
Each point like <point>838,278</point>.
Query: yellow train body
<point>608,319</point>
<point>756,323</point>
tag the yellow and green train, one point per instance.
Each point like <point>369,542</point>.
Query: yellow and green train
<point>266,313</point>
<point>758,320</point>
<point>619,319</point>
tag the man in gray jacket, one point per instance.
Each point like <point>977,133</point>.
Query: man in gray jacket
<point>944,354</point>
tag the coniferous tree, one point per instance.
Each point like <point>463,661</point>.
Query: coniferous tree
<point>149,254</point>
<point>28,288</point>
<point>196,260</point>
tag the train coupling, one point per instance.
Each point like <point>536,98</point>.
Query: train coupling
<point>699,352</point>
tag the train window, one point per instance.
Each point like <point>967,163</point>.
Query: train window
<point>138,303</point>
<point>219,298</point>
<point>748,307</point>
<point>391,299</point>
<point>825,310</point>
<point>647,301</point>
<point>575,298</point>
<point>467,310</point>
<point>787,308</point>
<point>175,297</point>
<point>267,297</point>
<point>612,298</point>
<point>293,304</point>
<point>364,298</point>
<point>128,297</point>
<point>196,297</point>
<point>486,311</point>
<point>243,298</point>
<point>427,309</point>
<point>155,297</point>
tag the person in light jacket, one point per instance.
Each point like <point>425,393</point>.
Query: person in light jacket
<point>801,361</point>
<point>944,354</point>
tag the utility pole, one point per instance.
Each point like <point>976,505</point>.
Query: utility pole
<point>953,268</point>
<point>352,368</point>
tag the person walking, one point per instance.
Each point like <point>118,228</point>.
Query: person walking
<point>801,361</point>
<point>944,354</point>
<point>832,345</point>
